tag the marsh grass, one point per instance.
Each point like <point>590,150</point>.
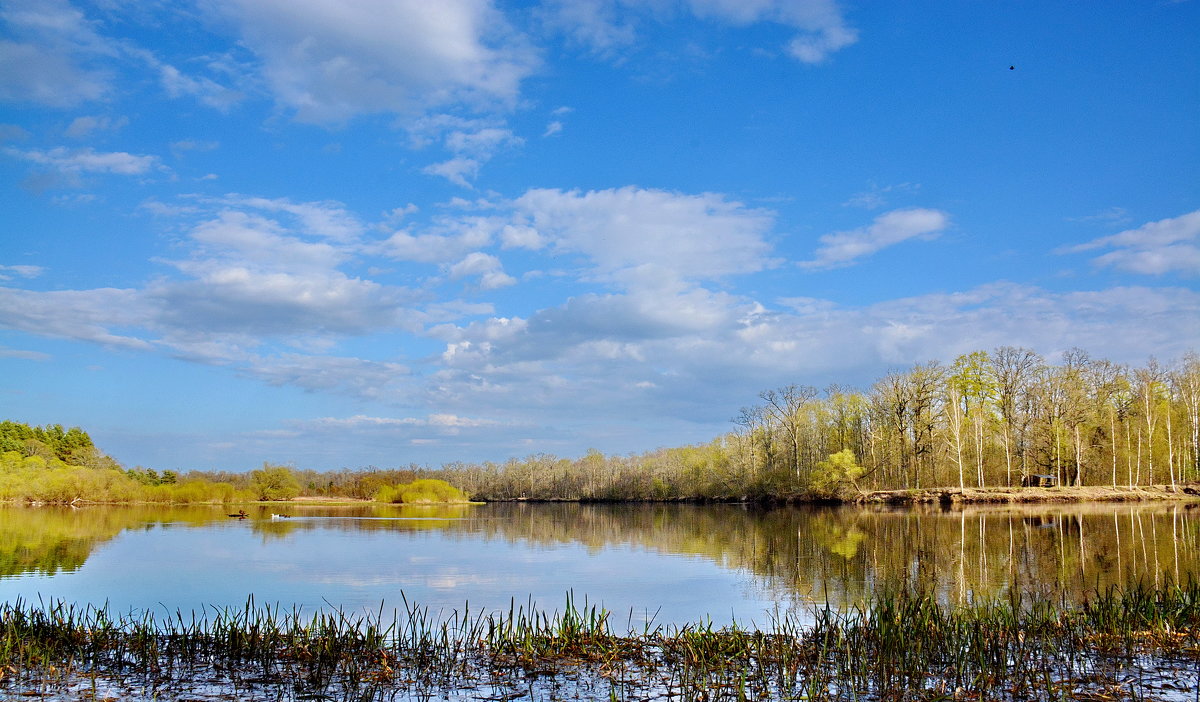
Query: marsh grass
<point>1137,642</point>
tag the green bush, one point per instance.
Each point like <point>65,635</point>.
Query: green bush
<point>426,491</point>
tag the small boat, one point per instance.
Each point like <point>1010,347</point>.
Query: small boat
<point>240,515</point>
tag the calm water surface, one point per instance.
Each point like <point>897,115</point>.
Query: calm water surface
<point>669,563</point>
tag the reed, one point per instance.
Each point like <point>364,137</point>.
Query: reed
<point>1136,642</point>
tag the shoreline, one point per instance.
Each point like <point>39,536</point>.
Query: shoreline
<point>1028,495</point>
<point>944,496</point>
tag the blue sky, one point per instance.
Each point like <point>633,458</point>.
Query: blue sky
<point>341,234</point>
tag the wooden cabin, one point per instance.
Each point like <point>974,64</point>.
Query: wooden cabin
<point>1039,480</point>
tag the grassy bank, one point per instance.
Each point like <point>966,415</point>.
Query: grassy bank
<point>1140,642</point>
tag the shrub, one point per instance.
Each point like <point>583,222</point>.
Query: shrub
<point>421,492</point>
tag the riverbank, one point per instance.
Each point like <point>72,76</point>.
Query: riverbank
<point>1025,495</point>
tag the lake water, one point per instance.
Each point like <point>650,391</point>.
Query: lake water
<point>665,563</point>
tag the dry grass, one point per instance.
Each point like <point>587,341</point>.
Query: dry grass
<point>1016,495</point>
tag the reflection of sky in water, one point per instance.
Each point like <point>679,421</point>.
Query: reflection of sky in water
<point>221,564</point>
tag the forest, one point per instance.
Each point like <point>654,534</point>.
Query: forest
<point>987,419</point>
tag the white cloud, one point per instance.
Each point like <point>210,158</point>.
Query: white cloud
<point>459,170</point>
<point>599,25</point>
<point>1112,215</point>
<point>185,145</point>
<point>87,160</point>
<point>331,61</point>
<point>85,126</point>
<point>328,219</point>
<point>697,362</point>
<point>45,56</point>
<point>630,231</point>
<point>82,315</point>
<point>472,143</point>
<point>1156,248</point>
<point>6,352</point>
<point>553,128</point>
<point>351,376</point>
<point>22,271</point>
<point>845,248</point>
<point>207,91</point>
<point>449,238</point>
<point>361,421</point>
<point>605,26</point>
<point>487,267</point>
<point>877,196</point>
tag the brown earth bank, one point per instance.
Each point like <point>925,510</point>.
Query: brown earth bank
<point>1003,495</point>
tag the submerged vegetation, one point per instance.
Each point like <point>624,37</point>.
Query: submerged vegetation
<point>1136,642</point>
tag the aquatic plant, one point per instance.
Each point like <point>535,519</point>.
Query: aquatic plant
<point>1135,642</point>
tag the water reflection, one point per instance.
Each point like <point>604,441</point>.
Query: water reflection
<point>722,560</point>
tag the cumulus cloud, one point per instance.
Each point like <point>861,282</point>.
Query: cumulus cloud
<point>260,273</point>
<point>1156,248</point>
<point>845,248</point>
<point>331,61</point>
<point>487,267</point>
<point>612,352</point>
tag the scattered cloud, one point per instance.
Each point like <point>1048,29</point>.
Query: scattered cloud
<point>637,234</point>
<point>6,352</point>
<point>365,422</point>
<point>459,170</point>
<point>487,267</point>
<point>842,249</point>
<point>471,143</point>
<point>553,128</point>
<point>12,132</point>
<point>47,54</point>
<point>87,125</point>
<point>9,272</point>
<point>1112,216</point>
<point>183,146</point>
<point>876,197</point>
<point>206,90</point>
<point>606,26</point>
<point>87,160</point>
<point>1156,248</point>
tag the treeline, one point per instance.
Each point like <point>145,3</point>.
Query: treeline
<point>53,443</point>
<point>984,420</point>
<point>988,419</point>
<point>53,465</point>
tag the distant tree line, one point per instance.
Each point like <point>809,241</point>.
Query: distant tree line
<point>984,420</point>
